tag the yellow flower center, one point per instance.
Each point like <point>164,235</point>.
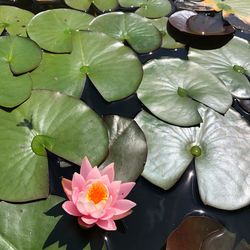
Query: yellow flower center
<point>97,192</point>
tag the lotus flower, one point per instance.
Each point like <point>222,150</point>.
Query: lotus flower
<point>95,198</point>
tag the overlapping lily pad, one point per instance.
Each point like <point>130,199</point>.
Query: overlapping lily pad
<point>106,5</point>
<point>168,42</point>
<point>14,20</point>
<point>127,148</point>
<point>223,181</point>
<point>141,35</point>
<point>113,68</point>
<point>62,24</point>
<point>17,55</point>
<point>47,121</point>
<point>229,63</point>
<point>172,89</point>
<point>148,8</point>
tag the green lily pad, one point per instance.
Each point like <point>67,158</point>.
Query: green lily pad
<point>229,63</point>
<point>223,181</point>
<point>127,148</point>
<point>14,20</point>
<point>46,121</point>
<point>165,140</point>
<point>113,68</point>
<point>21,54</point>
<point>140,34</point>
<point>62,24</point>
<point>106,5</point>
<point>172,89</point>
<point>37,225</point>
<point>168,42</point>
<point>148,8</point>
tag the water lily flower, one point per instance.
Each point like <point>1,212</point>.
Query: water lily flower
<point>95,198</point>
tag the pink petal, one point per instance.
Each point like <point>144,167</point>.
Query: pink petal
<point>88,220</point>
<point>121,216</point>
<point>67,187</point>
<point>84,225</point>
<point>109,214</point>
<point>125,189</point>
<point>75,195</point>
<point>105,180</point>
<point>85,167</point>
<point>114,189</point>
<point>109,171</point>
<point>85,207</point>
<point>106,224</point>
<point>70,208</point>
<point>99,210</point>
<point>94,174</point>
<point>122,206</point>
<point>78,182</point>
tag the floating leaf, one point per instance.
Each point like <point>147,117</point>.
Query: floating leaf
<point>239,9</point>
<point>62,24</point>
<point>168,150</point>
<point>172,89</point>
<point>106,5</point>
<point>113,68</point>
<point>127,148</point>
<point>230,67</point>
<point>148,8</point>
<point>191,5</point>
<point>223,181</point>
<point>168,42</point>
<point>14,20</point>
<point>47,121</point>
<point>141,35</point>
<point>191,233</point>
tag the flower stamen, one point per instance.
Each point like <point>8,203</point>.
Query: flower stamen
<point>97,192</point>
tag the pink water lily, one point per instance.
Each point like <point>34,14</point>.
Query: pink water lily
<point>95,198</point>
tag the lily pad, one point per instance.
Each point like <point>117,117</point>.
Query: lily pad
<point>106,5</point>
<point>14,20</point>
<point>148,8</point>
<point>239,9</point>
<point>138,31</point>
<point>223,181</point>
<point>172,89</point>
<point>230,67</point>
<point>127,148</point>
<point>113,68</point>
<point>168,42</point>
<point>62,24</point>
<point>46,121</point>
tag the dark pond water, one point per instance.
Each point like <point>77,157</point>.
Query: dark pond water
<point>158,212</point>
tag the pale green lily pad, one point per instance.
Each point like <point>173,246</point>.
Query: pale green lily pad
<point>113,68</point>
<point>20,53</point>
<point>168,150</point>
<point>148,8</point>
<point>37,225</point>
<point>229,63</point>
<point>168,42</point>
<point>222,165</point>
<point>172,89</point>
<point>14,20</point>
<point>127,148</point>
<point>62,24</point>
<point>138,31</point>
<point>47,120</point>
<point>106,5</point>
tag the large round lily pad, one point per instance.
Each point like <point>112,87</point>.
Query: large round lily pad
<point>173,89</point>
<point>229,63</point>
<point>138,31</point>
<point>46,121</point>
<point>106,5</point>
<point>14,20</point>
<point>127,148</point>
<point>148,8</point>
<point>223,174</point>
<point>113,68</point>
<point>62,24</point>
